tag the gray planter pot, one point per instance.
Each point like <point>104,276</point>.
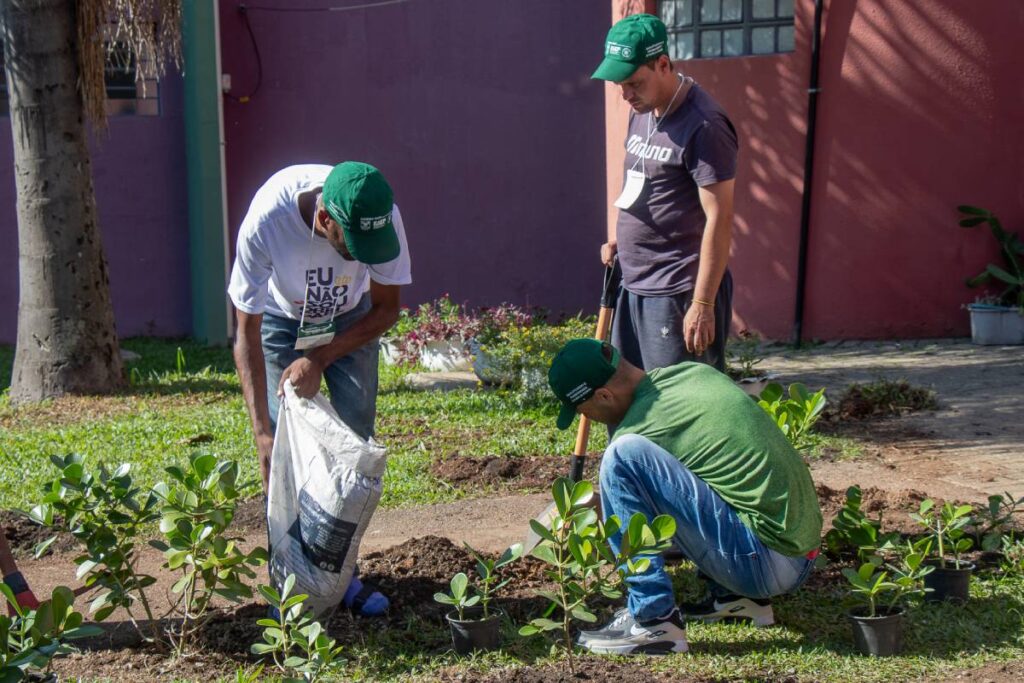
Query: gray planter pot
<point>877,636</point>
<point>996,325</point>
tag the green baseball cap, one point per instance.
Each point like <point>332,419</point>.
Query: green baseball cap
<point>359,200</point>
<point>631,43</point>
<point>580,368</point>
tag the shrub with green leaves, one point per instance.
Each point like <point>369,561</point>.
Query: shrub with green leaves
<point>853,532</point>
<point>31,638</point>
<point>459,595</point>
<point>883,585</point>
<point>947,529</point>
<point>104,511</point>
<point>294,640</point>
<point>197,507</point>
<point>1012,563</point>
<point>795,413</point>
<point>996,519</point>
<point>1011,275</point>
<point>583,562</point>
<point>488,573</point>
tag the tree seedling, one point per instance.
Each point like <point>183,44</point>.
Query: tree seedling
<point>197,508</point>
<point>947,528</point>
<point>996,519</point>
<point>488,573</point>
<point>294,640</point>
<point>796,414</point>
<point>853,531</point>
<point>459,595</point>
<point>880,584</point>
<point>584,562</point>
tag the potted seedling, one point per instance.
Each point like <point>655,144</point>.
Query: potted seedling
<point>475,624</point>
<point>947,533</point>
<point>878,622</point>
<point>744,355</point>
<point>997,318</point>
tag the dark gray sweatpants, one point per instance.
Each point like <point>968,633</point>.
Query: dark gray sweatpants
<point>648,330</point>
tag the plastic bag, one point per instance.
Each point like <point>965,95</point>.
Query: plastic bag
<point>325,483</point>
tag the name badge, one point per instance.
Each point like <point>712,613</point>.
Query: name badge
<point>632,189</point>
<point>313,335</point>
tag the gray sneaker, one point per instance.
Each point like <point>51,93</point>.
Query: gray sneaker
<point>730,608</point>
<point>624,635</point>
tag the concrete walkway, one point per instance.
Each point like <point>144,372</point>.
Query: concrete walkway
<point>974,441</point>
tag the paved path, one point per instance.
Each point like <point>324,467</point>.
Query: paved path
<point>976,438</point>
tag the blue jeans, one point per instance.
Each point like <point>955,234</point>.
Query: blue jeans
<point>640,476</point>
<point>351,380</point>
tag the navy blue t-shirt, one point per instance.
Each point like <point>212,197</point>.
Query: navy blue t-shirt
<point>659,236</point>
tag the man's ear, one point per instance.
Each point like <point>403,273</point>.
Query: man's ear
<point>664,64</point>
<point>604,395</point>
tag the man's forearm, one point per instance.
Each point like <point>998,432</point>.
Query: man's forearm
<point>252,375</point>
<point>377,321</point>
<point>714,256</point>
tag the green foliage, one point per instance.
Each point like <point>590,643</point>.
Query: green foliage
<point>996,519</point>
<point>459,595</point>
<point>853,532</point>
<point>30,638</point>
<point>796,413</point>
<point>488,576</point>
<point>294,640</point>
<point>245,675</point>
<point>1012,563</point>
<point>197,507</point>
<point>744,354</point>
<point>885,398</point>
<point>578,547</point>
<point>104,511</point>
<point>1011,275</point>
<point>876,582</point>
<point>946,527</point>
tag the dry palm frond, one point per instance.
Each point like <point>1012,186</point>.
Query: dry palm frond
<point>148,33</point>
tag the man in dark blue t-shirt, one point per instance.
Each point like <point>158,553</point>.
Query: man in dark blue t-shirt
<point>674,228</point>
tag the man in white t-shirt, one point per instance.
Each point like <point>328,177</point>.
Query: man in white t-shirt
<point>320,258</point>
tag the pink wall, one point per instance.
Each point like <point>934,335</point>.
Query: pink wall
<point>139,179</point>
<point>481,114</point>
<point>920,110</point>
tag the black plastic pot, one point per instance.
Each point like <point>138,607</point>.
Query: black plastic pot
<point>473,632</point>
<point>880,635</point>
<point>948,583</point>
<point>36,677</point>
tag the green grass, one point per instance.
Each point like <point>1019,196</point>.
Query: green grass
<point>166,414</point>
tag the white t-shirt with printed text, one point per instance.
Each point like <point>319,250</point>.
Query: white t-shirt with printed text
<point>275,256</point>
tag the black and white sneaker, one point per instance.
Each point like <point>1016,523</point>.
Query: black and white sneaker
<point>730,608</point>
<point>624,635</point>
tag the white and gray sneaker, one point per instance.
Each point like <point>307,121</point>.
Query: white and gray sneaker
<point>624,635</point>
<point>730,608</point>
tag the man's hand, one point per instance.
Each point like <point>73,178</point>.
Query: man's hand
<point>699,327</point>
<point>264,447</point>
<point>608,251</point>
<point>305,374</point>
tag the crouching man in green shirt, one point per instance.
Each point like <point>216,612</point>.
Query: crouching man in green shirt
<point>689,443</point>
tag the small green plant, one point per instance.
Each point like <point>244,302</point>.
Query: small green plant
<point>795,413</point>
<point>180,365</point>
<point>1011,275</point>
<point>996,519</point>
<point>246,675</point>
<point>1012,563</point>
<point>31,638</point>
<point>853,532</point>
<point>488,573</point>
<point>744,354</point>
<point>294,640</point>
<point>883,585</point>
<point>459,595</point>
<point>104,511</point>
<point>947,528</point>
<point>884,398</point>
<point>197,508</point>
<point>584,563</point>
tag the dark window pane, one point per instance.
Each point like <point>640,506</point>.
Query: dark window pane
<point>764,9</point>
<point>710,43</point>
<point>732,10</point>
<point>762,40</point>
<point>732,42</point>
<point>710,11</point>
<point>785,39</point>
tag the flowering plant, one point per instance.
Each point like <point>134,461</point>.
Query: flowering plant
<point>438,320</point>
<point>494,322</point>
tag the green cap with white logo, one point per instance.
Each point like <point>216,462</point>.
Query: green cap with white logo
<point>631,43</point>
<point>579,369</point>
<point>359,200</point>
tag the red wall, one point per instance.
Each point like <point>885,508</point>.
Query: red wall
<point>920,111</point>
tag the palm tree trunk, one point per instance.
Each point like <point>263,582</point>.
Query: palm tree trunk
<point>66,340</point>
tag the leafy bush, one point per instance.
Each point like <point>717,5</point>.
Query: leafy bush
<point>1013,556</point>
<point>438,320</point>
<point>495,321</point>
<point>197,508</point>
<point>576,545</point>
<point>30,638</point>
<point>996,519</point>
<point>878,583</point>
<point>853,532</point>
<point>796,414</point>
<point>946,527</point>
<point>104,511</point>
<point>1011,275</point>
<point>295,642</point>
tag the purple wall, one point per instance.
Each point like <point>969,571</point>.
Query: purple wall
<point>139,177</point>
<point>481,114</point>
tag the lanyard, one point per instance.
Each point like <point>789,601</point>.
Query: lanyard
<point>642,160</point>
<point>309,265</point>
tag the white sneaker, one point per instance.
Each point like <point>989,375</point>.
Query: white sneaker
<point>729,608</point>
<point>624,635</point>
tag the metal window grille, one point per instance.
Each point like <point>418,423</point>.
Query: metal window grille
<point>727,28</point>
<point>128,90</point>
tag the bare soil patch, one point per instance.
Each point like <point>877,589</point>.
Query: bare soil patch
<point>523,473</point>
<point>587,669</point>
